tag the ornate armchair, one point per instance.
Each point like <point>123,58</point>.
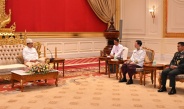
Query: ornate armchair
<point>148,59</point>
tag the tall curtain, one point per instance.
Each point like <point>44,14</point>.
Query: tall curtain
<point>104,9</point>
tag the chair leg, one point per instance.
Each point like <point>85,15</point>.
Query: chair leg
<point>135,76</point>
<point>117,71</point>
<point>144,77</point>
<point>152,77</point>
<point>120,74</point>
<point>140,78</point>
<point>108,72</point>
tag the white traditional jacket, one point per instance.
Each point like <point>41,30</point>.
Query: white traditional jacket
<point>138,56</point>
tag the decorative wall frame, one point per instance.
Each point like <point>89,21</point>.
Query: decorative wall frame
<point>167,34</point>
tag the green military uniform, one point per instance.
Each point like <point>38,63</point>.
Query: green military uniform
<point>178,60</point>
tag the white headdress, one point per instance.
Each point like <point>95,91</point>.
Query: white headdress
<point>29,40</point>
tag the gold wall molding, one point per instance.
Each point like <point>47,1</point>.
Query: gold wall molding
<point>64,34</point>
<point>165,20</point>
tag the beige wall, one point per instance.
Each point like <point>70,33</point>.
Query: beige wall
<point>72,47</point>
<point>138,24</point>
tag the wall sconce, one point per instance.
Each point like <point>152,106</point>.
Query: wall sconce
<point>152,12</point>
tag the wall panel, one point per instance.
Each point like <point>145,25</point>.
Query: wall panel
<point>86,46</point>
<point>134,16</point>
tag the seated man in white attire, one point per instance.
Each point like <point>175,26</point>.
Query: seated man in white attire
<point>30,54</point>
<point>116,52</point>
<point>136,61</point>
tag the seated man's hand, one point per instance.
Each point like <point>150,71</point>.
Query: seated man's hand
<point>136,61</point>
<point>33,60</point>
<point>173,67</point>
<point>128,62</point>
<point>132,63</point>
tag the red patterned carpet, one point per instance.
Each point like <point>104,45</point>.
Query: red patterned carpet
<point>82,66</point>
<point>81,61</point>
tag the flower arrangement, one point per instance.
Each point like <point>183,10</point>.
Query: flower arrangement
<point>40,68</point>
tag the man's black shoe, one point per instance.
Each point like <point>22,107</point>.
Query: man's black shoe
<point>129,82</point>
<point>123,80</point>
<point>172,91</point>
<point>162,89</point>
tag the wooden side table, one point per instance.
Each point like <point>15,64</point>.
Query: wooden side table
<point>151,67</point>
<point>117,63</point>
<point>103,58</point>
<point>57,61</point>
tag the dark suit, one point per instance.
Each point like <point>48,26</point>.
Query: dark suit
<point>178,60</point>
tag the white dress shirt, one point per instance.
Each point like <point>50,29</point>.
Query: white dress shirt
<point>117,51</point>
<point>138,56</point>
<point>30,54</point>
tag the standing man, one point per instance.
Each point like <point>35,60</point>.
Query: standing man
<point>176,67</point>
<point>136,61</point>
<point>30,54</point>
<point>116,52</point>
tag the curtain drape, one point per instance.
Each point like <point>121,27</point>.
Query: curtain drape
<point>104,9</point>
<point>58,16</point>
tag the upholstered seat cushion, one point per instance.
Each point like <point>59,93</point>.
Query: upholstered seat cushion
<point>10,67</point>
<point>139,69</point>
<point>180,76</point>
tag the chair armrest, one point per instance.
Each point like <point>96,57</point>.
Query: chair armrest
<point>147,62</point>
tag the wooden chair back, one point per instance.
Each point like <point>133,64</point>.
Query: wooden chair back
<point>149,58</point>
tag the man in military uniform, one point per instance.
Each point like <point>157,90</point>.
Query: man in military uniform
<point>176,67</point>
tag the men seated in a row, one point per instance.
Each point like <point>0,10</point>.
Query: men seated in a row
<point>136,61</point>
<point>176,67</point>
